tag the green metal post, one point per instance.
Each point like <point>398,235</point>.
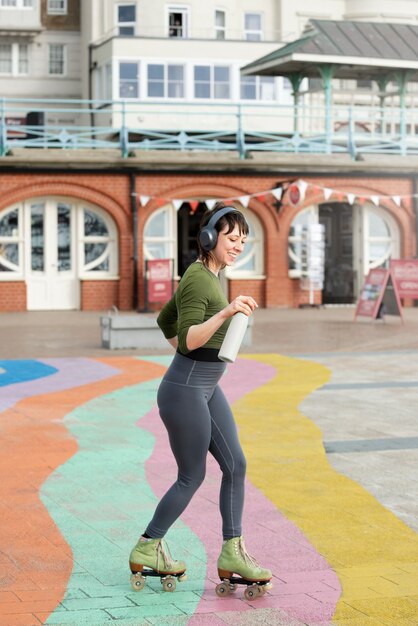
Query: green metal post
<point>327,72</point>
<point>382,84</point>
<point>296,80</point>
<point>402,80</point>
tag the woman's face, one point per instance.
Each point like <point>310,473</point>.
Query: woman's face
<point>229,246</point>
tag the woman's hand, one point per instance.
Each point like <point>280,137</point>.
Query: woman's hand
<point>240,304</point>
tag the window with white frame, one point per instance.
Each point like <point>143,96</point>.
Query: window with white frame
<point>250,262</point>
<point>126,19</point>
<point>212,81</point>
<point>165,81</point>
<point>178,22</point>
<point>220,24</point>
<point>17,4</point>
<point>99,243</point>
<point>10,242</point>
<point>57,7</point>
<point>160,236</point>
<point>253,27</point>
<point>14,59</point>
<point>302,220</point>
<point>128,80</point>
<point>56,63</point>
<point>258,88</point>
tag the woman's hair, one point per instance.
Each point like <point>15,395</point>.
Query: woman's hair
<point>229,219</point>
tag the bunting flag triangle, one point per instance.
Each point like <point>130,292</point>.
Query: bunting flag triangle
<point>397,200</point>
<point>303,185</point>
<point>177,204</point>
<point>194,204</point>
<point>210,204</point>
<point>144,200</point>
<point>351,197</point>
<point>328,193</point>
<point>375,200</point>
<point>244,200</point>
<point>277,193</point>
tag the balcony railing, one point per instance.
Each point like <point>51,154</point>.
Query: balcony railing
<point>129,126</point>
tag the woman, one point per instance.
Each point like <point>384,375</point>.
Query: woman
<point>193,407</point>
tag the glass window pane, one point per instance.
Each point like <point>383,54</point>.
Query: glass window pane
<point>220,18</point>
<point>202,90</point>
<point>221,91</point>
<point>221,74</point>
<point>377,226</point>
<point>202,72</point>
<point>157,225</point>
<point>379,250</point>
<point>127,13</point>
<point>155,72</point>
<point>127,30</point>
<point>248,88</point>
<point>93,251</point>
<point>253,21</point>
<point>56,58</point>
<point>156,90</point>
<point>94,225</point>
<point>5,59</point>
<point>9,224</point>
<point>267,88</point>
<point>37,227</point>
<point>175,72</point>
<point>157,250</point>
<point>128,71</point>
<point>64,238</point>
<point>9,254</point>
<point>23,59</point>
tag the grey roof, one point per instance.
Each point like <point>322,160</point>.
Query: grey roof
<point>358,49</point>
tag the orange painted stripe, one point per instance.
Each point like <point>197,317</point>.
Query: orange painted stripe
<point>34,442</point>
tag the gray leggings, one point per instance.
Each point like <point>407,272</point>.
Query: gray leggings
<point>198,419</point>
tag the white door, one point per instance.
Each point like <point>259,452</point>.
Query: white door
<point>50,255</point>
<point>376,240</point>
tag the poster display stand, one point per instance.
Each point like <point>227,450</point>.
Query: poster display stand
<point>405,276</point>
<point>379,296</point>
<point>158,281</point>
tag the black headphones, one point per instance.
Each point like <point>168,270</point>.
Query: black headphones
<point>208,236</point>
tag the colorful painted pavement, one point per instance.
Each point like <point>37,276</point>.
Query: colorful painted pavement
<point>84,459</point>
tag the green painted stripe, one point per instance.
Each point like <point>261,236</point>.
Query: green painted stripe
<point>101,502</point>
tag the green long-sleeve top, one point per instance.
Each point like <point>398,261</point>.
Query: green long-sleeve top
<point>198,297</point>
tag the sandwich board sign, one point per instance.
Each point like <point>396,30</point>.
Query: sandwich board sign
<point>379,296</point>
<point>405,276</point>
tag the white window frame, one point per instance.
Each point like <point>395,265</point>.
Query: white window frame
<point>220,29</point>
<point>258,83</point>
<point>20,4</point>
<point>133,62</point>
<point>15,59</point>
<point>57,11</point>
<point>186,27</point>
<point>249,31</point>
<point>166,65</point>
<point>16,238</point>
<point>309,215</point>
<point>126,24</point>
<point>64,64</point>
<point>212,67</point>
<point>169,238</point>
<point>87,271</point>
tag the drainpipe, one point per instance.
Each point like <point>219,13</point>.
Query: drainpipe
<point>134,209</point>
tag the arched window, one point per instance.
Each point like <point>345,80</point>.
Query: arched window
<point>11,243</point>
<point>304,218</point>
<point>99,243</point>
<point>250,263</point>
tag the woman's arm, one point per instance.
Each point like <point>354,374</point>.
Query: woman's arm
<point>199,334</point>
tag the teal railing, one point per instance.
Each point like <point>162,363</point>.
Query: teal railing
<point>128,126</point>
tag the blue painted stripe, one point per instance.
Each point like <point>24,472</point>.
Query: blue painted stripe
<point>21,371</point>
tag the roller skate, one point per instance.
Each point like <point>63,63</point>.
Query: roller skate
<point>234,559</point>
<point>153,558</point>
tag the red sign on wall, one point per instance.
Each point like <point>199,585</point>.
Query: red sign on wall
<point>159,280</point>
<point>379,295</point>
<point>405,275</point>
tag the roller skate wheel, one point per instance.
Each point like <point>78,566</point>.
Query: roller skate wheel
<point>251,592</point>
<point>223,590</point>
<point>137,582</point>
<point>169,584</point>
<point>182,578</point>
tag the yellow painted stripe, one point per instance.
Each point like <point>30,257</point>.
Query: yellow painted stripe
<point>373,552</point>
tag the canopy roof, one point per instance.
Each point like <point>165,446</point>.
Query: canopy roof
<point>365,50</point>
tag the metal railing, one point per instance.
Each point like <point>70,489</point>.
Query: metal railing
<point>131,125</point>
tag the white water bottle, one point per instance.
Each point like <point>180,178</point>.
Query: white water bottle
<point>233,338</point>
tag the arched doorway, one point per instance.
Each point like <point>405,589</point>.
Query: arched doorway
<point>52,243</point>
<point>357,239</point>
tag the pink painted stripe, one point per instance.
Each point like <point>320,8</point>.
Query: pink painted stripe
<point>299,571</point>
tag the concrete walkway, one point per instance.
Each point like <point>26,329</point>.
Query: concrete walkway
<point>327,418</point>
